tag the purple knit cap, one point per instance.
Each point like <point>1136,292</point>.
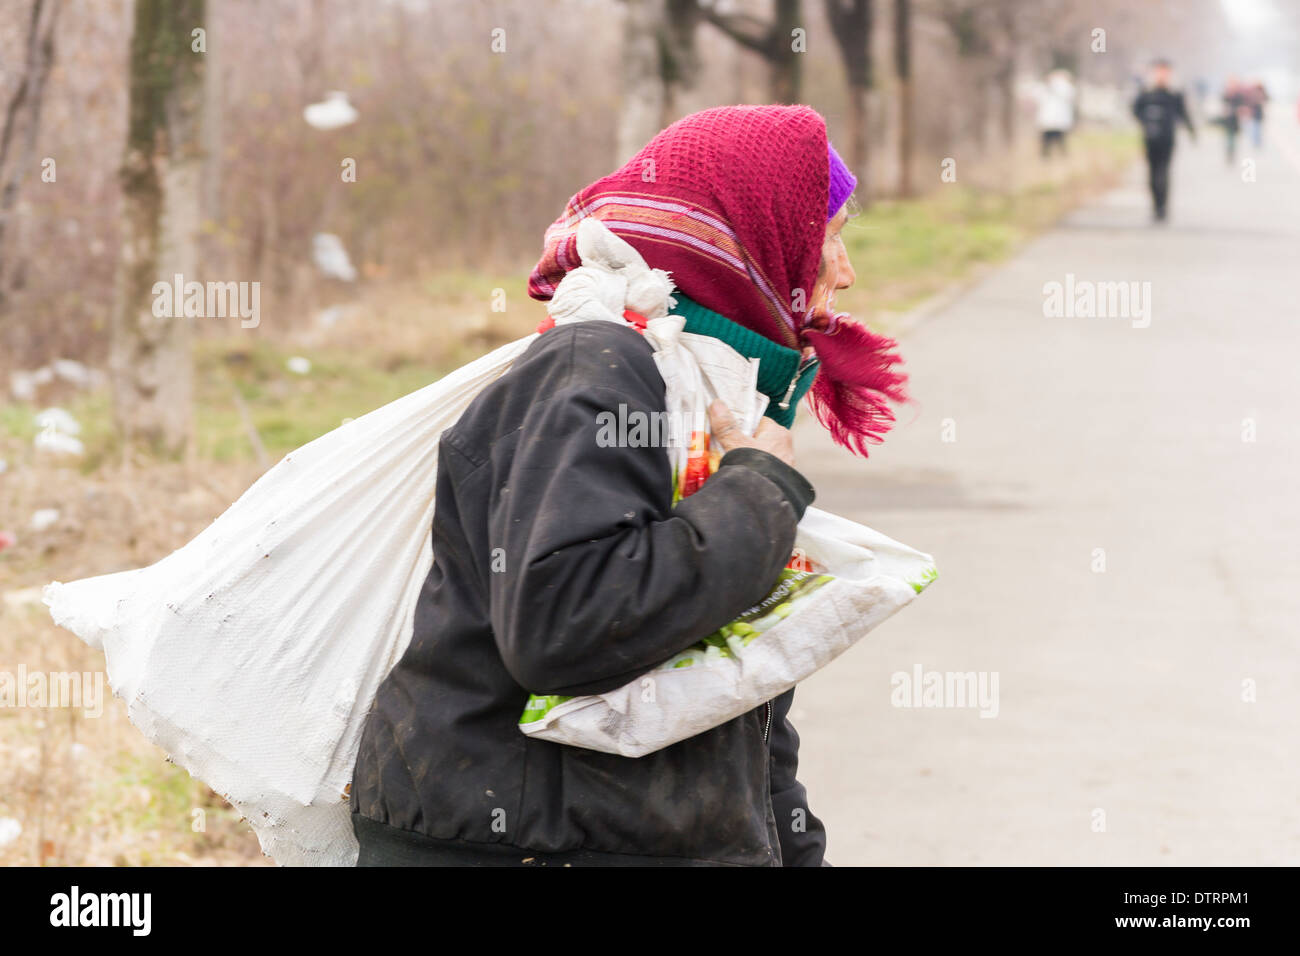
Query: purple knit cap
<point>842,184</point>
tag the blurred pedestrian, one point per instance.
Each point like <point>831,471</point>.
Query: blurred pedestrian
<point>1233,104</point>
<point>1056,98</point>
<point>1159,109</point>
<point>1254,98</point>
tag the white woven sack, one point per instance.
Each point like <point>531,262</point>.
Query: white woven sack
<point>252,654</point>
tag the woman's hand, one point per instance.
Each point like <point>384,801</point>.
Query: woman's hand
<point>769,436</point>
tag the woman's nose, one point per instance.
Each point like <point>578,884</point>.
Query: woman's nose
<point>844,273</point>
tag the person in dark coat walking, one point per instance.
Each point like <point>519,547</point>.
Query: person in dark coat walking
<point>1159,109</point>
<point>563,566</point>
<point>1234,104</point>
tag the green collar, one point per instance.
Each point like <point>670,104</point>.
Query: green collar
<point>778,366</point>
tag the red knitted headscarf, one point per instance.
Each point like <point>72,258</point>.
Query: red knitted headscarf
<point>733,203</point>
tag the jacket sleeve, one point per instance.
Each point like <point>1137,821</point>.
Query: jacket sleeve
<point>604,578</point>
<point>803,837</point>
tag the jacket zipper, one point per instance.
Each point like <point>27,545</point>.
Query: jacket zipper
<point>772,851</point>
<point>803,367</point>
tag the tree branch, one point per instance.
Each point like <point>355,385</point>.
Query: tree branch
<point>736,25</point>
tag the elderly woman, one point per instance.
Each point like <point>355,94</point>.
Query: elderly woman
<point>562,565</point>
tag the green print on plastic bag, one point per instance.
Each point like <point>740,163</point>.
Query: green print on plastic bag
<point>790,588</point>
<point>927,577</point>
<point>539,706</point>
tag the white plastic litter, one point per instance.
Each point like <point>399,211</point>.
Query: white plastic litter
<point>44,518</point>
<point>331,113</point>
<point>327,318</point>
<point>331,257</point>
<point>23,385</point>
<point>73,372</point>
<point>59,420</point>
<point>57,428</point>
<point>10,830</point>
<point>57,442</point>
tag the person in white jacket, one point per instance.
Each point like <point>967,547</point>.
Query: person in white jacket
<point>1056,97</point>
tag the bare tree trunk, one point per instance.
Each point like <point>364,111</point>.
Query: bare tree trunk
<point>968,24</point>
<point>23,119</point>
<point>1006,81</point>
<point>679,55</point>
<point>787,62</point>
<point>212,134</point>
<point>773,41</point>
<point>1006,75</point>
<point>851,22</point>
<point>981,118</point>
<point>859,143</point>
<point>660,61</point>
<point>903,70</point>
<point>150,366</point>
<point>644,97</point>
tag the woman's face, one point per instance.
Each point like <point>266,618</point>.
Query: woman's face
<point>835,271</point>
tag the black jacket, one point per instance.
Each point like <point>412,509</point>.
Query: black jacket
<point>561,567</point>
<point>1159,110</point>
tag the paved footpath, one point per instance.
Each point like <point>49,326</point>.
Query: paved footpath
<point>1120,691</point>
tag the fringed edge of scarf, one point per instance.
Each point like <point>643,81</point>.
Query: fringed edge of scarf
<point>857,379</point>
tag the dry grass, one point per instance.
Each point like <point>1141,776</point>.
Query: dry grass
<point>90,790</point>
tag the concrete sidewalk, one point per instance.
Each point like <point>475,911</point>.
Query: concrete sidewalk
<point>1077,441</point>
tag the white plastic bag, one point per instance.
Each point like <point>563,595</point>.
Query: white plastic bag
<point>855,579</point>
<point>252,654</point>
<point>697,369</point>
<point>843,580</point>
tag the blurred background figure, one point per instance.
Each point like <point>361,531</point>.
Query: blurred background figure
<point>1233,103</point>
<point>1160,109</point>
<point>1254,96</point>
<point>1056,99</point>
